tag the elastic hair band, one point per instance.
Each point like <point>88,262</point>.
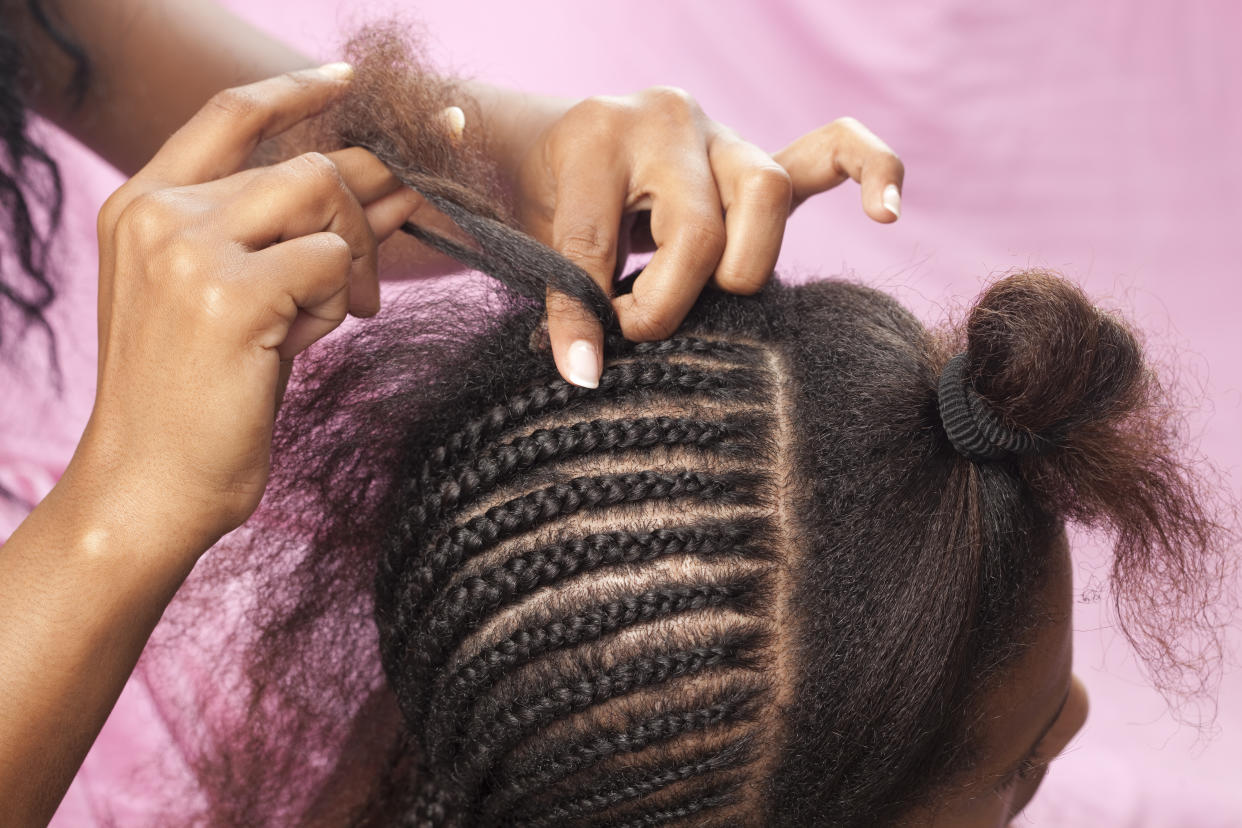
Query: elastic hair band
<point>973,427</point>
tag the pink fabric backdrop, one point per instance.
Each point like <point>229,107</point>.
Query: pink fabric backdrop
<point>1097,138</point>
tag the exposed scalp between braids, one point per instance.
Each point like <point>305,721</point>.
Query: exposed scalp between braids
<point>561,605</point>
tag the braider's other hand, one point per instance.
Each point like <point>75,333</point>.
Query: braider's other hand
<point>714,205</point>
<point>212,279</point>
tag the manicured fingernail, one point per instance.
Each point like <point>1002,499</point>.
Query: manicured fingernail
<point>337,71</point>
<point>583,364</point>
<point>892,200</point>
<point>455,120</point>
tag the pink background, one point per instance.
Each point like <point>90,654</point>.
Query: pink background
<point>1097,138</point>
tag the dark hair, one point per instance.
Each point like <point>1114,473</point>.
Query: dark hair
<point>748,577</point>
<point>31,193</point>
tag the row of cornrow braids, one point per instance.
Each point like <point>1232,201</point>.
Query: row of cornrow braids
<point>550,675</point>
<point>648,539</point>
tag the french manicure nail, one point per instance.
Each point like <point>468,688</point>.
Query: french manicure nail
<point>455,120</point>
<point>892,200</point>
<point>583,364</point>
<point>337,71</point>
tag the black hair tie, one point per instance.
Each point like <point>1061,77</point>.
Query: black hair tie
<point>973,427</point>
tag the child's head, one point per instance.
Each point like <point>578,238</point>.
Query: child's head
<point>751,577</point>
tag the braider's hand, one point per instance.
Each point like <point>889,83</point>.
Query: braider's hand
<point>718,204</point>
<point>211,281</point>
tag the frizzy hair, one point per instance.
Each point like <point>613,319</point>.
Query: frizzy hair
<point>479,595</point>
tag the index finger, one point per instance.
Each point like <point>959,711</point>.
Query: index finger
<point>222,135</point>
<point>845,149</point>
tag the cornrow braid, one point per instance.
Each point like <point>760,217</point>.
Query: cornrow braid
<point>531,777</point>
<point>507,701</point>
<point>506,724</point>
<point>688,808</point>
<point>496,730</point>
<point>616,380</point>
<point>483,471</point>
<point>464,607</point>
<point>480,673</point>
<point>635,785</point>
<point>556,502</point>
<point>718,349</point>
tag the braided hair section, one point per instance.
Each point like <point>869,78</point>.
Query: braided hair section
<point>573,601</point>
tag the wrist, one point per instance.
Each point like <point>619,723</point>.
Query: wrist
<point>122,519</point>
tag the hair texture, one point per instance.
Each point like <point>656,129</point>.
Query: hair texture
<point>745,580</point>
<point>31,193</point>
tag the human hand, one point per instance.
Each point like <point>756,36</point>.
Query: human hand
<point>211,281</point>
<point>717,204</point>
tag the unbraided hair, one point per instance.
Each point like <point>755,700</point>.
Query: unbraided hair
<point>747,580</point>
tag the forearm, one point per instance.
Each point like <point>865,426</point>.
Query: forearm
<point>83,582</point>
<point>153,65</point>
<point>513,121</point>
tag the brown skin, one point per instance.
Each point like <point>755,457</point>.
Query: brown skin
<point>717,204</point>
<point>1037,704</point>
<point>214,276</point>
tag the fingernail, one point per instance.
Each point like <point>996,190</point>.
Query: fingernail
<point>337,71</point>
<point>583,364</point>
<point>892,200</point>
<point>455,120</point>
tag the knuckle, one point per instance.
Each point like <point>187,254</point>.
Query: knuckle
<point>770,184</point>
<point>704,237</point>
<point>148,219</point>
<point>313,175</point>
<point>297,78</point>
<point>319,168</point>
<point>741,281</point>
<point>110,213</point>
<point>671,99</point>
<point>338,251</point>
<point>846,123</point>
<point>596,108</point>
<point>590,244</point>
<point>645,324</point>
<point>237,103</point>
<point>591,122</point>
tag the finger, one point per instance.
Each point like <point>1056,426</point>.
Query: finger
<point>386,215</point>
<point>219,139</point>
<point>301,196</point>
<point>590,196</point>
<point>308,283</point>
<point>366,176</point>
<point>844,149</point>
<point>689,231</point>
<point>757,195</point>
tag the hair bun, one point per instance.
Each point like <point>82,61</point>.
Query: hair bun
<point>1047,362</point>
